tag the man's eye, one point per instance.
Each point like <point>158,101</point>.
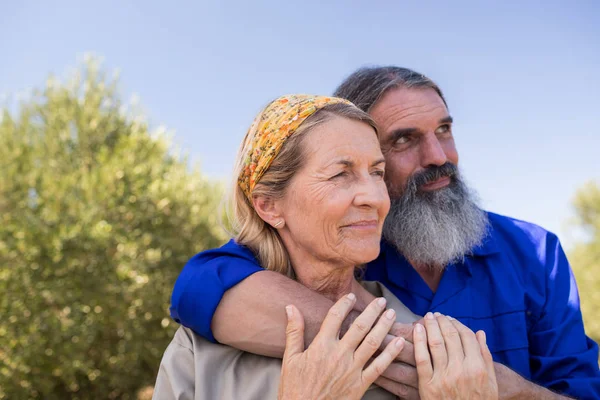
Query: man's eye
<point>402,140</point>
<point>443,129</point>
<point>379,172</point>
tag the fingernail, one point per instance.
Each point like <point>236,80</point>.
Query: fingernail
<point>449,317</point>
<point>419,328</point>
<point>429,316</point>
<point>399,343</point>
<point>289,311</point>
<point>437,314</point>
<point>351,296</point>
<point>484,337</point>
<point>390,314</point>
<point>381,302</point>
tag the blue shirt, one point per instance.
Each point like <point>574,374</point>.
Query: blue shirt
<point>517,286</point>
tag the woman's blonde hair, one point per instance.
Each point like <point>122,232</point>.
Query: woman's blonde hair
<point>244,224</point>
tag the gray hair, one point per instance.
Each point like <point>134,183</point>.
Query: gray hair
<point>367,85</point>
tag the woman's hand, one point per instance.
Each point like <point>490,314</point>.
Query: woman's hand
<point>460,365</point>
<point>334,368</point>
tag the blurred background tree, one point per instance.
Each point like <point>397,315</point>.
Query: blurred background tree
<point>585,256</point>
<point>97,218</point>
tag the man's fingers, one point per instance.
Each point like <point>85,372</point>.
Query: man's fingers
<point>337,313</point>
<point>422,359</point>
<point>375,337</point>
<point>399,389</point>
<point>485,353</point>
<point>363,323</point>
<point>407,355</point>
<point>402,373</point>
<point>382,361</point>
<point>437,347</point>
<point>294,333</point>
<point>452,339</point>
<point>403,330</point>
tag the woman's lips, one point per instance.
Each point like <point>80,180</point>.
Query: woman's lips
<point>363,225</point>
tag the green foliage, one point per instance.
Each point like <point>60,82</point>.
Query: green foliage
<point>97,218</point>
<point>585,257</point>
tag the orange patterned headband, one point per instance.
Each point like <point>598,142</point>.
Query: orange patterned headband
<point>271,128</point>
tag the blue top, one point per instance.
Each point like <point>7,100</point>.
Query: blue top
<point>517,286</point>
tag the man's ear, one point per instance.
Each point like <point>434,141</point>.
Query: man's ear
<point>267,209</point>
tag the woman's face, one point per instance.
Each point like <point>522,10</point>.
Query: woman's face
<point>336,203</point>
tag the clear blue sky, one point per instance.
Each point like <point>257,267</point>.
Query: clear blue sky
<point>522,78</point>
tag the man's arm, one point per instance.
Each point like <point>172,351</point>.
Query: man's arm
<point>512,386</point>
<point>562,358</point>
<point>251,315</point>
<point>226,290</point>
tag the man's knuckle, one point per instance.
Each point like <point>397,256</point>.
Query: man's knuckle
<point>401,390</point>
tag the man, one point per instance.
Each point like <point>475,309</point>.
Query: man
<point>440,253</point>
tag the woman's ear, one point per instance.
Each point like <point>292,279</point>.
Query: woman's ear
<point>267,210</point>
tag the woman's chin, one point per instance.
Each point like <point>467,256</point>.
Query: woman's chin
<point>363,253</point>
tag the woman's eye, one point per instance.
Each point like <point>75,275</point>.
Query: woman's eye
<point>380,173</point>
<point>340,175</point>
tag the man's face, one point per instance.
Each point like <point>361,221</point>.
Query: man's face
<point>415,133</point>
<point>434,218</point>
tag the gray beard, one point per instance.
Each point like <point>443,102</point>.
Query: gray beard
<point>436,228</point>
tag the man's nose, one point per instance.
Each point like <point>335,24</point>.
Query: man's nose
<point>432,152</point>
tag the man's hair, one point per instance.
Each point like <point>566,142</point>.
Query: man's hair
<point>367,85</point>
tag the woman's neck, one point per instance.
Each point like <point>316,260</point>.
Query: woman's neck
<point>331,278</point>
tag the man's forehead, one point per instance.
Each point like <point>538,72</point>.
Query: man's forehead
<point>408,105</point>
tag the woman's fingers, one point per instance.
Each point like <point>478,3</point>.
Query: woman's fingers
<point>332,324</point>
<point>468,339</point>
<point>294,333</point>
<point>363,323</point>
<point>383,360</point>
<point>375,337</point>
<point>451,339</point>
<point>422,359</point>
<point>437,347</point>
<point>485,353</point>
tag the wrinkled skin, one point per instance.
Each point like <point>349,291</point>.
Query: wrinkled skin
<point>458,364</point>
<point>334,368</point>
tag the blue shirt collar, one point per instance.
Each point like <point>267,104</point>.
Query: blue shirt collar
<point>489,244</point>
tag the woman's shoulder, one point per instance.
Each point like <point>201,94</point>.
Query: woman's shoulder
<point>403,313</point>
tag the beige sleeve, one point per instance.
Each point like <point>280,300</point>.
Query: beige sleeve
<point>175,379</point>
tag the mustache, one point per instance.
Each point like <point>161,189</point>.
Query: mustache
<point>430,174</point>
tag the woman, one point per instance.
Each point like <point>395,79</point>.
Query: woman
<point>319,154</point>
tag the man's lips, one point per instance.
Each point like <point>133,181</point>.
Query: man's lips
<point>437,184</point>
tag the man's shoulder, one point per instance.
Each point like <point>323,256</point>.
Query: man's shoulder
<point>523,235</point>
<point>229,252</point>
<point>528,247</point>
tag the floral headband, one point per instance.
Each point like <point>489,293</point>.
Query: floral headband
<point>270,129</point>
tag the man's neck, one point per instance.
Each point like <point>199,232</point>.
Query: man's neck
<point>432,275</point>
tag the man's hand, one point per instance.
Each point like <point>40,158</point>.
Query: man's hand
<point>513,386</point>
<point>400,378</point>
